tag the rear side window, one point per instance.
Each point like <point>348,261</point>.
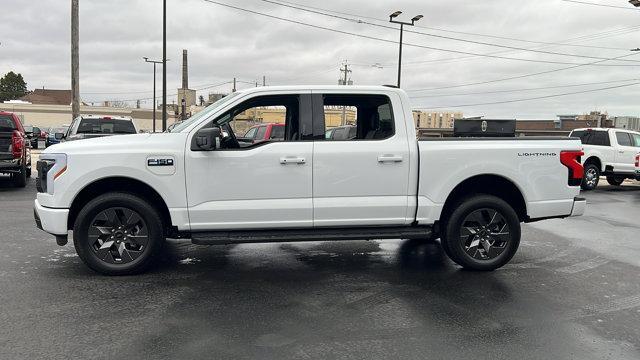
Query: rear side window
<point>623,138</point>
<point>105,126</point>
<point>636,139</point>
<point>7,123</point>
<point>600,138</point>
<point>277,133</point>
<point>358,117</point>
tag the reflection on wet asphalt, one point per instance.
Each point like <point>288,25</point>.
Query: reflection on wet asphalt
<point>564,296</point>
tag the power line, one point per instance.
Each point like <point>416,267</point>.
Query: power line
<point>602,5</point>
<point>522,90</point>
<point>518,76</point>
<point>438,36</point>
<point>406,44</point>
<point>459,32</point>
<point>529,99</point>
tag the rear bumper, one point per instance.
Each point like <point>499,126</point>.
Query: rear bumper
<point>579,205</point>
<point>53,221</point>
<point>10,165</point>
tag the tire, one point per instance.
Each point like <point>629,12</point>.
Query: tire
<point>491,234</point>
<point>591,177</point>
<point>111,241</point>
<point>615,180</point>
<point>20,179</point>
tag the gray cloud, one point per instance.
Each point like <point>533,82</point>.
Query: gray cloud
<point>224,43</point>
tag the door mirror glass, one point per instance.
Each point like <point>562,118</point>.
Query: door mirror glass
<point>207,139</point>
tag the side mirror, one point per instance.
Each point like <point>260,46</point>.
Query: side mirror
<point>59,136</point>
<point>207,139</point>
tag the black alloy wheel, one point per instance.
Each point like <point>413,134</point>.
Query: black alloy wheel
<point>481,233</point>
<point>118,234</point>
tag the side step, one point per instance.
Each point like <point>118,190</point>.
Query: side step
<point>313,234</point>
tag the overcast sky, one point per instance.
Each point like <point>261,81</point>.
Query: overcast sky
<point>224,42</point>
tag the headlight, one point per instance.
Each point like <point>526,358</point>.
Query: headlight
<point>50,167</point>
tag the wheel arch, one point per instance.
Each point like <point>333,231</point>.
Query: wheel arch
<point>490,184</point>
<point>119,184</point>
<point>593,159</point>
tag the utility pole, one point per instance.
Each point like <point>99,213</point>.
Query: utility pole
<point>344,81</point>
<point>164,65</point>
<point>402,24</point>
<point>154,62</point>
<point>75,59</point>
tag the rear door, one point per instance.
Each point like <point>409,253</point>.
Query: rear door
<point>361,180</point>
<point>626,152</point>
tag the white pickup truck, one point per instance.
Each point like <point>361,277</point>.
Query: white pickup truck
<point>123,195</point>
<point>608,152</point>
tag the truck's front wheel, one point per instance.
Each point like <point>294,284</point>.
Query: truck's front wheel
<point>118,234</point>
<point>482,233</point>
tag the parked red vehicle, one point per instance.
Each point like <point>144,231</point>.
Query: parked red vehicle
<point>15,153</point>
<point>264,132</point>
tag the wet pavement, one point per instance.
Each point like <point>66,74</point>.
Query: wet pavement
<point>571,292</point>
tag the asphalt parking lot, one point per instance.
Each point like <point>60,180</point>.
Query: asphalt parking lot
<point>571,292</point>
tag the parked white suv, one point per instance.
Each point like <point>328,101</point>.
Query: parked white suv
<point>608,152</point>
<point>123,195</point>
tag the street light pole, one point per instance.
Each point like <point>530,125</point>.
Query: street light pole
<point>154,62</point>
<point>164,65</point>
<point>402,24</point>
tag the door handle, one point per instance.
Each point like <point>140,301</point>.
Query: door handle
<point>292,160</point>
<point>621,151</point>
<point>389,158</point>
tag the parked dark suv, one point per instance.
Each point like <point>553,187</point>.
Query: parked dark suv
<point>15,155</point>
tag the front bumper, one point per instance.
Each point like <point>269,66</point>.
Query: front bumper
<point>579,205</point>
<point>53,221</point>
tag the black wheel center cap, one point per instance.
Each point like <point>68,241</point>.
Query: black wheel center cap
<point>119,235</point>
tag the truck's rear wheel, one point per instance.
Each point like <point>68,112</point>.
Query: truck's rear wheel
<point>20,179</point>
<point>591,177</point>
<point>118,234</point>
<point>482,233</point>
<point>615,180</point>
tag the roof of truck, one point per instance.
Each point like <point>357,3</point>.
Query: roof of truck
<point>348,88</point>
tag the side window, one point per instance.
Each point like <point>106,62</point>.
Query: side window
<point>623,138</point>
<point>600,138</point>
<point>275,109</point>
<point>352,117</point>
<point>636,139</point>
<point>262,130</point>
<point>251,133</point>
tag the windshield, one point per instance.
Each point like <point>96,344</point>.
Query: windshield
<point>105,126</point>
<point>195,118</point>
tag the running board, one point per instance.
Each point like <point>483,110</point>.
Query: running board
<point>313,234</point>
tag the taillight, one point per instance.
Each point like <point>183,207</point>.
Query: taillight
<point>17,144</point>
<point>571,159</point>
<point>638,161</point>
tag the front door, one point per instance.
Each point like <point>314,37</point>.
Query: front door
<point>254,186</point>
<point>361,167</point>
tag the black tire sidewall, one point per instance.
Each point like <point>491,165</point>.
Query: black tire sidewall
<point>20,179</point>
<point>455,245</point>
<point>615,180</point>
<point>125,200</point>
